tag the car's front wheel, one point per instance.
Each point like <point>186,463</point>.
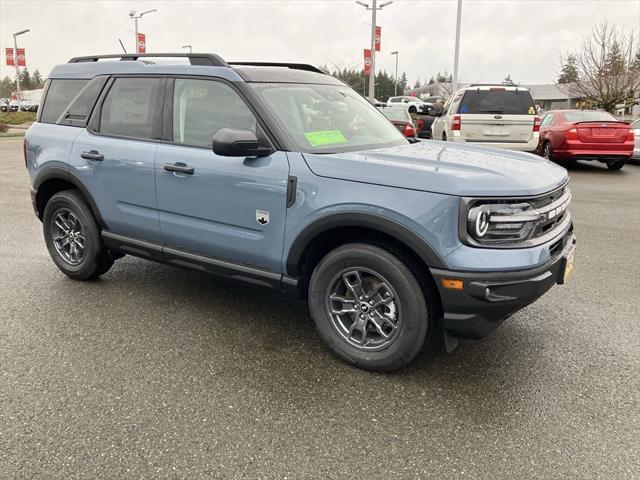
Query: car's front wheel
<point>72,237</point>
<point>369,306</point>
<point>547,152</point>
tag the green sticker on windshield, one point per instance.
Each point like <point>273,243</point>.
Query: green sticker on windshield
<point>325,137</point>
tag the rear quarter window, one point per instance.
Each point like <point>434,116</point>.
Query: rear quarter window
<point>60,92</point>
<point>503,102</point>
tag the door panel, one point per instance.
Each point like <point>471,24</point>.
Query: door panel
<point>229,208</point>
<point>214,211</point>
<point>122,183</point>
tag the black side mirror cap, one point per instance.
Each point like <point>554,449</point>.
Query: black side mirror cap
<point>235,142</point>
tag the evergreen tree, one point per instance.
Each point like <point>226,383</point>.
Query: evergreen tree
<point>7,86</point>
<point>38,81</point>
<point>403,84</point>
<point>25,79</point>
<point>508,81</point>
<point>418,84</point>
<point>569,72</point>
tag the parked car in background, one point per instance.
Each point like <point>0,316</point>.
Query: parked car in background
<point>412,104</point>
<point>14,106</point>
<point>636,148</point>
<point>570,135</point>
<point>491,115</point>
<point>423,125</point>
<point>28,106</point>
<point>4,106</point>
<point>401,119</point>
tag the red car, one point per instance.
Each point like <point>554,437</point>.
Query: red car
<point>401,118</point>
<point>569,135</point>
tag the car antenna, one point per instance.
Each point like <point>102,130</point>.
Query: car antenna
<point>122,45</point>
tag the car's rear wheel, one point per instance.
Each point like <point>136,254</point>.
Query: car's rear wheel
<point>369,307</point>
<point>547,151</point>
<point>617,165</point>
<point>72,237</point>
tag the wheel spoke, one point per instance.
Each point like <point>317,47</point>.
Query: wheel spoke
<point>353,281</point>
<point>61,225</point>
<point>347,305</point>
<point>379,327</point>
<point>359,325</point>
<point>382,295</point>
<point>385,320</point>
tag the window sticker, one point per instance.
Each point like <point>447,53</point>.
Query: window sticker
<point>325,137</point>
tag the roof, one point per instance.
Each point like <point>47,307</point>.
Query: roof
<point>191,64</point>
<point>549,91</point>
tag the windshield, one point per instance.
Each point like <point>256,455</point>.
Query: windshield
<point>396,114</point>
<point>589,116</point>
<point>508,102</point>
<point>328,118</point>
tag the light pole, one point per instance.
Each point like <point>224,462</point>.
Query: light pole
<point>456,57</point>
<point>135,18</point>
<point>374,9</point>
<point>189,47</point>
<point>15,62</point>
<point>395,89</point>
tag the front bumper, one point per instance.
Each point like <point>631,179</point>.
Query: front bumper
<point>487,299</point>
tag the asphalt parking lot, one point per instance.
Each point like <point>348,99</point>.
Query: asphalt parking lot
<point>153,371</point>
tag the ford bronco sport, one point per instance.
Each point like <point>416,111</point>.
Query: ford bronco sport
<point>279,175</point>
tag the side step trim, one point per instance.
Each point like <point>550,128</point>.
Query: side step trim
<point>180,258</point>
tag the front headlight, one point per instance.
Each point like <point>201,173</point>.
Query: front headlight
<point>514,223</point>
<point>495,223</point>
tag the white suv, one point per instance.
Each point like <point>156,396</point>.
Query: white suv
<point>490,115</point>
<point>412,104</point>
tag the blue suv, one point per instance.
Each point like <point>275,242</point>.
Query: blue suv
<point>279,175</point>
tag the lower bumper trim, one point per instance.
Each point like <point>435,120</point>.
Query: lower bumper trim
<point>489,298</point>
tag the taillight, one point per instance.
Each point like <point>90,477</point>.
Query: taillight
<point>571,134</point>
<point>631,135</point>
<point>456,122</point>
<point>536,124</point>
<point>24,151</point>
<point>409,131</point>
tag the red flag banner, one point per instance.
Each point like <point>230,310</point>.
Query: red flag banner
<point>9,55</point>
<point>367,61</point>
<point>142,43</point>
<point>22,60</point>
<point>378,36</point>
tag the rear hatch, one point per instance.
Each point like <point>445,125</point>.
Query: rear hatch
<point>497,114</point>
<point>597,126</point>
<point>602,132</point>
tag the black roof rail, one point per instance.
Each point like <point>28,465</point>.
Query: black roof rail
<point>294,66</point>
<point>202,59</point>
<point>493,85</point>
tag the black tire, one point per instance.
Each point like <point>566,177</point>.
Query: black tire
<point>547,151</point>
<point>95,259</point>
<point>414,303</point>
<point>413,110</point>
<point>444,137</point>
<point>617,165</point>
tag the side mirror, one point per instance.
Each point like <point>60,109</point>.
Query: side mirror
<point>234,142</point>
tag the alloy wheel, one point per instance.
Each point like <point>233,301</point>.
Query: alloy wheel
<point>364,309</point>
<point>68,236</point>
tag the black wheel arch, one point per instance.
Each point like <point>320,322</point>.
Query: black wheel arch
<point>357,222</point>
<point>52,180</point>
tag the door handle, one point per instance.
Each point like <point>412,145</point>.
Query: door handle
<point>92,155</point>
<point>178,167</point>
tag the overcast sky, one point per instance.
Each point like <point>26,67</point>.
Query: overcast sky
<point>524,38</point>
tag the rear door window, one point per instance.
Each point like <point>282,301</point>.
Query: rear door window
<point>60,92</point>
<point>497,101</point>
<point>132,108</point>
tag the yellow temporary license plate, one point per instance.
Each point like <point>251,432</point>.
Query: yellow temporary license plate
<point>568,266</point>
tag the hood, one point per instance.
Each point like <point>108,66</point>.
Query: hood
<point>442,167</point>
